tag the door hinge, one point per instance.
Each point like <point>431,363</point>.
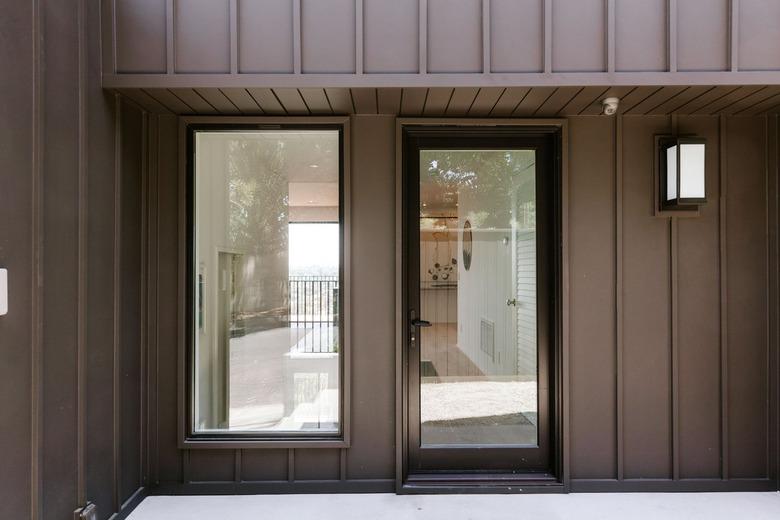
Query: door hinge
<point>88,512</point>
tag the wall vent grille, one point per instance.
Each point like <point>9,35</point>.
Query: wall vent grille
<point>487,337</point>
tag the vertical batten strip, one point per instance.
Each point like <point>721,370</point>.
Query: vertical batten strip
<point>36,322</point>
<point>769,295</point>
<point>297,37</point>
<point>675,347</point>
<point>734,35</point>
<point>346,301</point>
<point>108,36</point>
<point>117,416</point>
<point>346,335</point>
<point>157,305</point>
<point>144,288</point>
<point>237,460</point>
<point>671,17</point>
<point>548,36</point>
<point>400,357</point>
<point>486,65</point>
<point>152,282</point>
<point>290,465</point>
<point>674,234</point>
<point>610,36</point>
<point>170,14</point>
<point>233,36</point>
<point>81,304</point>
<point>564,387</point>
<point>343,464</point>
<point>358,37</point>
<point>184,423</point>
<point>423,41</point>
<point>619,293</point>
<point>774,305</point>
<point>723,264</point>
<point>771,260</point>
<point>185,466</point>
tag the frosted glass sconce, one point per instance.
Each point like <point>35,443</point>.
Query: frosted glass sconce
<point>683,176</point>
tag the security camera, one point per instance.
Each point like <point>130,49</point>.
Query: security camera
<point>610,106</point>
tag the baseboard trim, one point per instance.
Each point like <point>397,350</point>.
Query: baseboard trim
<point>668,485</point>
<point>507,489</point>
<point>275,487</point>
<point>388,486</point>
<point>130,504</point>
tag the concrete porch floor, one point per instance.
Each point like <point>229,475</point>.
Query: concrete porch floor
<point>601,506</point>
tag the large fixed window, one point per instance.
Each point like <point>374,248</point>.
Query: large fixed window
<point>266,294</point>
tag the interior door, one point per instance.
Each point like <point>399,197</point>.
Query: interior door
<point>478,236</point>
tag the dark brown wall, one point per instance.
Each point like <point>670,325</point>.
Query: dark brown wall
<point>671,383</point>
<point>71,179</point>
<point>671,357</point>
<point>773,188</point>
<point>369,464</point>
<point>16,254</point>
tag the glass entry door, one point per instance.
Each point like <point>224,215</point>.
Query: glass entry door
<point>478,231</point>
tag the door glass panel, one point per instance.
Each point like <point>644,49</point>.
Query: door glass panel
<point>478,359</point>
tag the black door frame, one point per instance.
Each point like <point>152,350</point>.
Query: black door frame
<point>547,477</point>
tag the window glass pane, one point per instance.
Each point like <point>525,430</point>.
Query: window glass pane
<point>692,171</point>
<point>671,173</point>
<point>267,256</point>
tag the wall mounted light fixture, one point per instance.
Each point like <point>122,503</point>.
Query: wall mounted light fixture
<point>3,292</point>
<point>682,185</point>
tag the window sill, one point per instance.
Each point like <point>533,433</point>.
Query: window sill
<point>233,442</point>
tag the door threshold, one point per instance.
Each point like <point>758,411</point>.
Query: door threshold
<point>482,483</point>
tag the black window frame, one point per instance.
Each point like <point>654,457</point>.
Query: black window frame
<point>189,437</point>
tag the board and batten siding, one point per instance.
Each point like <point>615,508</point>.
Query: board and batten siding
<point>72,352</point>
<point>299,43</point>
<point>671,360</point>
<point>369,463</point>
<point>673,329</point>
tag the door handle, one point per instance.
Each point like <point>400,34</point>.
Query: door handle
<point>512,302</point>
<point>416,322</point>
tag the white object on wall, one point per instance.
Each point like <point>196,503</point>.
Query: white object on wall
<point>3,292</point>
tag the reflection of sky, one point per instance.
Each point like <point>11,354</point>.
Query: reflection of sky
<point>314,249</point>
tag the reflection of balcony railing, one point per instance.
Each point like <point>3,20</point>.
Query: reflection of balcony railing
<point>314,307</point>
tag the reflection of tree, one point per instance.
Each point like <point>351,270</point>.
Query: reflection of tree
<point>258,195</point>
<point>504,176</point>
<point>257,227</point>
<point>259,171</point>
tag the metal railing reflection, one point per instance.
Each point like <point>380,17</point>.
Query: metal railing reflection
<point>314,308</point>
